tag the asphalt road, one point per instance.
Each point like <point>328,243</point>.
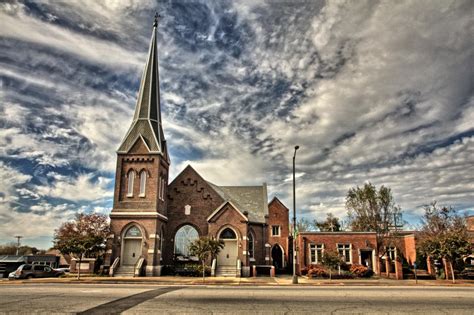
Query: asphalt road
<point>151,299</point>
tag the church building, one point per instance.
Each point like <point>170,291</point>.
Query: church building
<point>153,220</point>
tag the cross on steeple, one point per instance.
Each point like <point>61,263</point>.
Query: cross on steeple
<point>155,23</point>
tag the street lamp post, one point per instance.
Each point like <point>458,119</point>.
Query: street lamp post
<point>295,277</point>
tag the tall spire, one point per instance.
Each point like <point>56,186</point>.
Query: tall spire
<point>147,118</point>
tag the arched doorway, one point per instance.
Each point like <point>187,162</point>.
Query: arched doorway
<point>228,255</point>
<point>277,256</point>
<point>132,246</point>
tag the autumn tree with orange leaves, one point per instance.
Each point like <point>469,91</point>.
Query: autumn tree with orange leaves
<point>85,235</point>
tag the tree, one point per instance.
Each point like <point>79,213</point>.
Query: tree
<point>331,224</point>
<point>331,260</point>
<point>85,235</point>
<point>444,235</point>
<point>10,249</point>
<point>203,248</point>
<point>304,225</point>
<point>372,210</point>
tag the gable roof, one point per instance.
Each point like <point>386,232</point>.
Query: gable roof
<point>250,199</point>
<point>275,199</point>
<point>222,207</point>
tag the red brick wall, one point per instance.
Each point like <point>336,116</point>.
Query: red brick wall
<point>229,217</point>
<point>410,248</point>
<point>330,241</point>
<point>278,215</point>
<point>136,160</point>
<point>189,188</point>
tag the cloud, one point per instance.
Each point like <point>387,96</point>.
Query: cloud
<point>82,188</point>
<point>371,91</point>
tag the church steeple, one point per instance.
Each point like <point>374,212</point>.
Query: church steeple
<point>146,123</point>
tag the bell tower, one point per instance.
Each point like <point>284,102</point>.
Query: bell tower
<point>141,177</point>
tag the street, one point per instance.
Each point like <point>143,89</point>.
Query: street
<point>153,299</point>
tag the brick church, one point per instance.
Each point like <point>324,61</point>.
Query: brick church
<point>153,221</point>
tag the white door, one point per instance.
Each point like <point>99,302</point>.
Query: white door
<point>228,255</point>
<point>131,251</point>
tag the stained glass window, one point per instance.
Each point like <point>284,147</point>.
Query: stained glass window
<point>185,235</point>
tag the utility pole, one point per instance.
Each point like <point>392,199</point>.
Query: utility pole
<point>295,277</point>
<point>18,237</point>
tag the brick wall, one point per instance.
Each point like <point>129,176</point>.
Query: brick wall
<point>278,215</point>
<point>189,188</point>
<point>359,241</point>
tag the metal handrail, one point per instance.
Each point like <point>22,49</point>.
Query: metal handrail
<point>114,266</point>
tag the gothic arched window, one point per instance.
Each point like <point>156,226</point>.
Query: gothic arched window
<point>185,235</point>
<point>142,183</point>
<point>131,179</point>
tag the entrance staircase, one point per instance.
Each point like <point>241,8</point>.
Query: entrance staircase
<point>125,271</point>
<point>226,271</point>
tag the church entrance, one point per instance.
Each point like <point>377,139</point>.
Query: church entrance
<point>132,246</point>
<point>277,256</point>
<point>228,255</point>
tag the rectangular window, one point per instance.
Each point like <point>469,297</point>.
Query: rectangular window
<point>392,253</point>
<point>275,230</point>
<point>344,251</point>
<point>316,253</point>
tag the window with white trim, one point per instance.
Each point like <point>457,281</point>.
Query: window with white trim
<point>131,179</point>
<point>316,253</point>
<point>391,252</point>
<point>142,183</point>
<point>344,251</point>
<point>275,230</point>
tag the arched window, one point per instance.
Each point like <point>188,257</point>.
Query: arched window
<point>142,183</point>
<point>131,179</point>
<point>133,232</point>
<point>185,235</point>
<point>251,245</point>
<point>228,234</point>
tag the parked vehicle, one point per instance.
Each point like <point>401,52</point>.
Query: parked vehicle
<point>28,271</point>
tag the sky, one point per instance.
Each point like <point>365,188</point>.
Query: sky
<point>371,91</point>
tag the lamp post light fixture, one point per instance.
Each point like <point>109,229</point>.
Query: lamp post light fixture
<point>295,277</point>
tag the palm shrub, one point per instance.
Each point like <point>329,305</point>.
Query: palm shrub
<point>203,248</point>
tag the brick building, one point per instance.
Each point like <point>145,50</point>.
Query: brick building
<point>153,222</point>
<point>356,248</point>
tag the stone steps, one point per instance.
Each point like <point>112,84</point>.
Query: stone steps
<point>125,271</point>
<point>226,271</point>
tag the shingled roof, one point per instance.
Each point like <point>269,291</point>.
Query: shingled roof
<point>248,199</point>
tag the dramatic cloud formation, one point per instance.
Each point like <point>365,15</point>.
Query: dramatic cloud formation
<point>371,91</point>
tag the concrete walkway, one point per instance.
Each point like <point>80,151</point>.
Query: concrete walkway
<point>283,280</point>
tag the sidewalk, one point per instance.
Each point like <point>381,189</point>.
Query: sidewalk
<point>282,280</point>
